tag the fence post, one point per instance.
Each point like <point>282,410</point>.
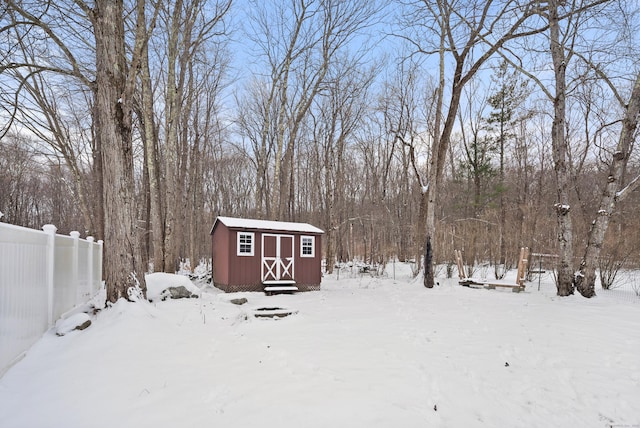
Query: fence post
<point>75,265</point>
<point>90,267</point>
<point>50,230</point>
<point>100,261</point>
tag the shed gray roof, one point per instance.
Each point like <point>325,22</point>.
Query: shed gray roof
<point>247,223</point>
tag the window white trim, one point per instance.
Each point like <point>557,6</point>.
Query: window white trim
<point>307,243</point>
<point>244,246</point>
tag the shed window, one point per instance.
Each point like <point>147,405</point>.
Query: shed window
<point>307,246</point>
<point>245,243</point>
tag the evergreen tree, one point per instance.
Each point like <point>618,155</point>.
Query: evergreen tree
<point>510,93</point>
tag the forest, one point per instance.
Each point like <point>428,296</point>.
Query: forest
<point>404,129</point>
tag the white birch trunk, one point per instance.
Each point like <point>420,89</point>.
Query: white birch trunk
<point>586,277</point>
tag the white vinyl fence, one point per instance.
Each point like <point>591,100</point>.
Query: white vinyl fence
<point>42,276</point>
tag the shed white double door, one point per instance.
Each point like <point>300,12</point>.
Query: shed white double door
<point>278,259</point>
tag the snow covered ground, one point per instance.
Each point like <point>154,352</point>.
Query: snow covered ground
<point>362,352</point>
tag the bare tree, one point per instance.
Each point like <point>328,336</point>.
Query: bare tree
<point>407,114</point>
<point>612,194</point>
<point>299,40</point>
<point>21,182</point>
<point>49,98</point>
<point>255,109</point>
<point>190,24</point>
<point>566,22</point>
<point>63,131</point>
<point>336,117</point>
<point>561,54</point>
<point>471,34</point>
<point>149,132</point>
<point>604,78</point>
<point>206,132</point>
<point>113,86</point>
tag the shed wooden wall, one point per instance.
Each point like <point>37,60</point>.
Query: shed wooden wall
<point>220,256</point>
<point>308,269</point>
<point>244,271</point>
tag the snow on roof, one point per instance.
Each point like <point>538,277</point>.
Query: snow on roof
<point>247,223</point>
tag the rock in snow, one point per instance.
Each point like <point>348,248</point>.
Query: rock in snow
<point>179,292</point>
<point>74,322</point>
<point>161,286</point>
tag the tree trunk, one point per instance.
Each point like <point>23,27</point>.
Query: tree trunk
<point>97,173</point>
<point>196,198</point>
<point>428,263</point>
<point>172,98</point>
<point>122,267</point>
<point>558,140</point>
<point>586,277</point>
<point>436,168</point>
<point>503,209</point>
<point>329,207</point>
<point>150,141</point>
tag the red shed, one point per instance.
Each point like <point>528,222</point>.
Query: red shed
<point>262,255</point>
